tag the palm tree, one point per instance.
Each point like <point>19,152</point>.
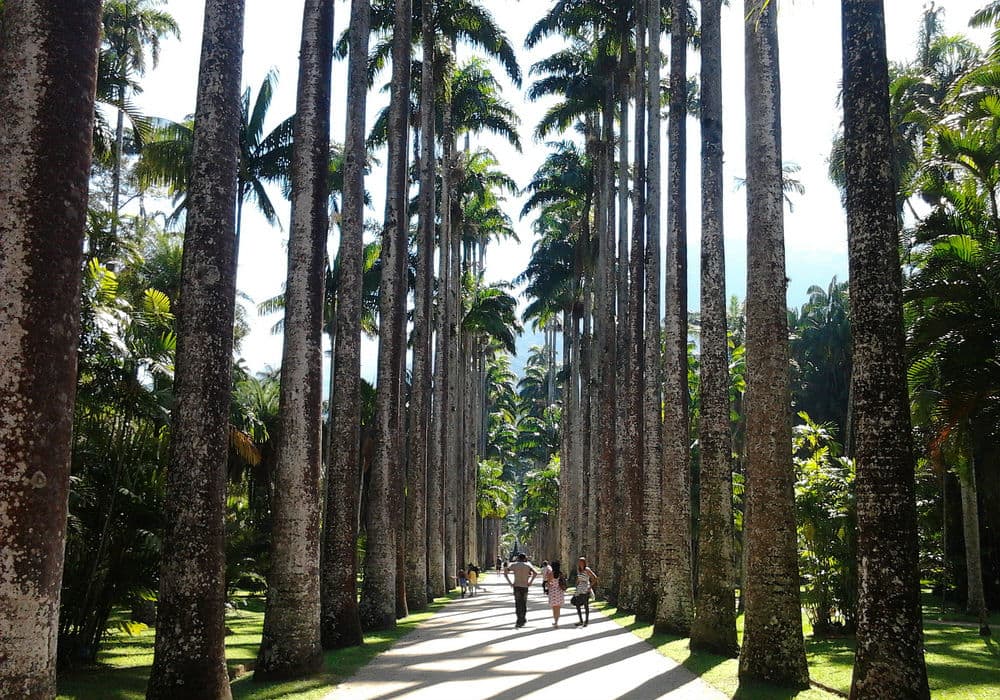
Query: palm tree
<point>342,616</point>
<point>378,596</point>
<point>131,28</point>
<point>48,64</point>
<point>411,570</point>
<point>714,625</point>
<point>890,655</point>
<point>773,649</point>
<point>264,158</point>
<point>675,607</point>
<point>290,645</point>
<point>421,469</point>
<point>190,645</point>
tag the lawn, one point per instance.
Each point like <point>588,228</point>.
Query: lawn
<point>960,664</point>
<point>125,662</point>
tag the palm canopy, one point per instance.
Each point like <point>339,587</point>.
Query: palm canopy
<point>464,21</point>
<point>477,104</point>
<point>265,158</point>
<point>491,314</point>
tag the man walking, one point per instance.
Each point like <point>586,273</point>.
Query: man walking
<point>524,575</point>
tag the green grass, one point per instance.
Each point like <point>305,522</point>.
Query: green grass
<point>124,664</point>
<point>960,664</point>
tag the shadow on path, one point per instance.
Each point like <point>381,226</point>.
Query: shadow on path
<point>467,652</point>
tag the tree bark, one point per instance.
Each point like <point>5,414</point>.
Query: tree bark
<point>48,68</point>
<point>290,646</point>
<point>773,648</point>
<point>674,610</point>
<point>633,473</point>
<point>714,626</point>
<point>342,620</point>
<point>189,657</point>
<point>390,437</point>
<point>889,660</point>
<point>976,599</point>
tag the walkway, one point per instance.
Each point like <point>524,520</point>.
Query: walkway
<point>471,651</point>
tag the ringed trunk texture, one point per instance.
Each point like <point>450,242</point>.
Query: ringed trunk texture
<point>976,599</point>
<point>890,661</point>
<point>604,486</point>
<point>189,657</point>
<point>714,626</point>
<point>634,475</point>
<point>421,421</point>
<point>48,69</point>
<point>674,610</point>
<point>377,608</point>
<point>290,646</point>
<point>773,649</point>
<point>655,542</point>
<point>390,440</point>
<point>341,622</point>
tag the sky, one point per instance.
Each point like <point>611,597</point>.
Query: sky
<point>810,53</point>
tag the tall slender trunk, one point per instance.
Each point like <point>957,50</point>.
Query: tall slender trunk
<point>391,426</point>
<point>656,541</point>
<point>563,537</point>
<point>443,387</point>
<point>424,470</point>
<point>116,172</point>
<point>48,68</point>
<point>976,598</point>
<point>290,645</point>
<point>190,644</point>
<point>342,618</point>
<point>588,399</point>
<point>714,626</point>
<point>604,501</point>
<point>377,607</point>
<point>608,538</point>
<point>634,474</point>
<point>450,389</point>
<point>675,608</point>
<point>890,659</point>
<point>773,649</point>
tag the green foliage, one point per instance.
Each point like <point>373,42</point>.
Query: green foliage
<point>824,505</point>
<point>494,496</point>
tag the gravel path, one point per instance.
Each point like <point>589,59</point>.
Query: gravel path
<point>471,651</point>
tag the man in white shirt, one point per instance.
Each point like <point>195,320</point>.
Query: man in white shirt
<point>524,575</point>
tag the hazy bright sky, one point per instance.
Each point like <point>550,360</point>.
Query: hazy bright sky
<point>810,73</point>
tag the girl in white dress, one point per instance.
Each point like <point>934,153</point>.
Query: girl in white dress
<point>557,590</point>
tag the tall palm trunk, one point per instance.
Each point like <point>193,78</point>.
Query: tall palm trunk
<point>656,542</point>
<point>674,609</point>
<point>439,453</point>
<point>608,537</point>
<point>889,660</point>
<point>190,657</point>
<point>391,426</point>
<point>714,626</point>
<point>446,384</point>
<point>341,619</point>
<point>603,377</point>
<point>634,474</point>
<point>773,649</point>
<point>290,645</point>
<point>424,470</point>
<point>48,59</point>
<point>377,607</point>
<point>976,598</point>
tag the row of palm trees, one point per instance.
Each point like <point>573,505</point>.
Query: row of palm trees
<point>626,393</point>
<point>603,280</point>
<point>205,162</point>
